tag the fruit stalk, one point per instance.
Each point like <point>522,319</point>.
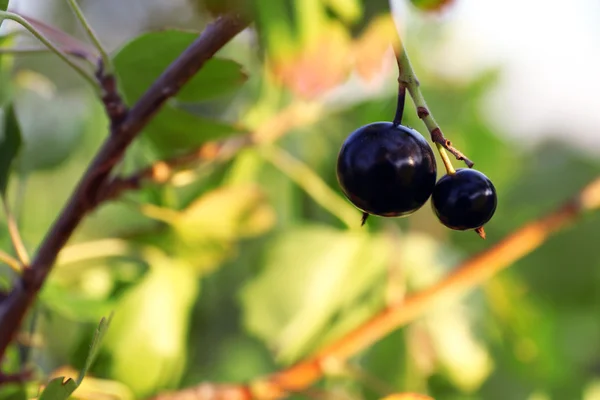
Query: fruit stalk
<point>400,104</point>
<point>408,79</point>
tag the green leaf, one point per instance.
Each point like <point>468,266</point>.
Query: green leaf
<point>74,305</point>
<point>13,392</point>
<point>142,60</point>
<point>175,130</point>
<point>147,338</point>
<point>58,389</point>
<point>145,58</point>
<point>94,346</point>
<point>207,230</point>
<point>9,145</point>
<point>52,122</point>
<point>291,303</point>
<point>348,10</point>
<point>6,69</point>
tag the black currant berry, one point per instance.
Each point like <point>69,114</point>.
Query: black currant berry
<point>464,200</point>
<point>386,170</point>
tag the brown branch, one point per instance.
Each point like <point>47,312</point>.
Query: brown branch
<point>472,272</point>
<point>162,171</point>
<point>82,200</point>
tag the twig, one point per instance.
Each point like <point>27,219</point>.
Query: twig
<point>469,274</point>
<point>407,78</point>
<point>312,183</point>
<point>12,262</point>
<point>15,235</point>
<point>162,171</point>
<point>81,201</point>
<point>111,98</point>
<point>106,61</point>
<point>294,115</point>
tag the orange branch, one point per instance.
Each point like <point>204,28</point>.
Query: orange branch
<point>469,274</point>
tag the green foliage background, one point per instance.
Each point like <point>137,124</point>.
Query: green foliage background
<point>235,269</point>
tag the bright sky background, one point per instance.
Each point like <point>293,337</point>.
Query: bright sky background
<point>550,51</point>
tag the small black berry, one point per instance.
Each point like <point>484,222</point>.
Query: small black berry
<point>464,200</point>
<point>387,170</point>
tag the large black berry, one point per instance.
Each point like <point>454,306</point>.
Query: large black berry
<point>464,200</point>
<point>386,170</point>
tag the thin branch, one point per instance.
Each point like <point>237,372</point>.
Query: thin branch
<point>106,61</point>
<point>62,55</point>
<point>12,262</point>
<point>83,198</point>
<point>294,115</point>
<point>15,235</point>
<point>162,171</point>
<point>465,277</point>
<point>311,183</point>
<point>407,78</point>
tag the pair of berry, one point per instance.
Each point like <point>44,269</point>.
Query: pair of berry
<point>390,170</point>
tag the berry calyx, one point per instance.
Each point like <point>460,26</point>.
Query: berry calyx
<point>464,200</point>
<point>386,169</point>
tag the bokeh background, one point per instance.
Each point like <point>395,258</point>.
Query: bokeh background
<point>237,268</point>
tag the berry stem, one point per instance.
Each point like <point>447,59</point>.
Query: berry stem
<point>446,160</point>
<point>400,104</point>
<point>408,79</point>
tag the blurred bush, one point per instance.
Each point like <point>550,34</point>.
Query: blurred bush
<point>237,268</point>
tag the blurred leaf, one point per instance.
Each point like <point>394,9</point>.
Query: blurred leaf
<point>349,10</point>
<point>174,130</point>
<point>206,231</point>
<point>95,388</point>
<point>13,392</point>
<point>94,346</point>
<point>371,48</point>
<point>274,27</point>
<point>320,65</point>
<point>309,275</point>
<point>226,213</point>
<point>57,389</point>
<point>529,331</point>
<point>74,305</point>
<point>6,69</point>
<point>4,4</point>
<point>52,122</point>
<point>9,146</point>
<point>460,355</point>
<point>431,5</point>
<point>147,338</point>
